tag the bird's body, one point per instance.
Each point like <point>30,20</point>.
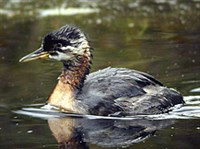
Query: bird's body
<point>108,92</point>
<point>122,92</point>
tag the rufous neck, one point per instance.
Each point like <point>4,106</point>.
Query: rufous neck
<point>70,84</point>
<point>74,72</point>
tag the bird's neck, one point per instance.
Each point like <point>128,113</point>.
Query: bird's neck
<point>70,83</point>
<point>74,72</point>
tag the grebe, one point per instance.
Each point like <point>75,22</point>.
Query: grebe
<point>107,92</point>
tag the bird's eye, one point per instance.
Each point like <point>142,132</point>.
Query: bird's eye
<point>53,53</point>
<point>59,45</point>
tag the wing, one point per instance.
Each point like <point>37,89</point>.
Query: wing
<point>112,90</point>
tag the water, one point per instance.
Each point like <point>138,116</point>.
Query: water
<point>157,37</point>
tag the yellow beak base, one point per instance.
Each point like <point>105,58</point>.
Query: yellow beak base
<point>38,54</point>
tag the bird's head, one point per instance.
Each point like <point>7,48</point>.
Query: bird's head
<point>64,44</point>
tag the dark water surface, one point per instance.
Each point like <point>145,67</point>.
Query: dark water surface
<point>160,37</point>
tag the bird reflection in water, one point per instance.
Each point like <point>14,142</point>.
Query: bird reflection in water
<point>78,133</point>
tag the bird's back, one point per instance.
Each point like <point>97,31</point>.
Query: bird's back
<point>121,91</point>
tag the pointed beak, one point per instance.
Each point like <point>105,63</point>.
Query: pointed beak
<point>38,54</point>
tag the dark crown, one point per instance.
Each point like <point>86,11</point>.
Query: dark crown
<point>65,36</point>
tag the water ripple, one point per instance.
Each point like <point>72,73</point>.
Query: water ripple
<point>190,110</point>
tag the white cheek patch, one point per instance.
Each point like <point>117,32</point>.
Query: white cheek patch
<point>69,48</point>
<point>61,56</point>
<point>74,50</point>
<point>69,52</point>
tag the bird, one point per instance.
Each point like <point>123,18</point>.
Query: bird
<point>107,92</point>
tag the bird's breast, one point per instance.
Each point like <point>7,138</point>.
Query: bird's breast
<point>62,97</point>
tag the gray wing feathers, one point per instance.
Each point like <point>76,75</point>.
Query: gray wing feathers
<point>121,91</point>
